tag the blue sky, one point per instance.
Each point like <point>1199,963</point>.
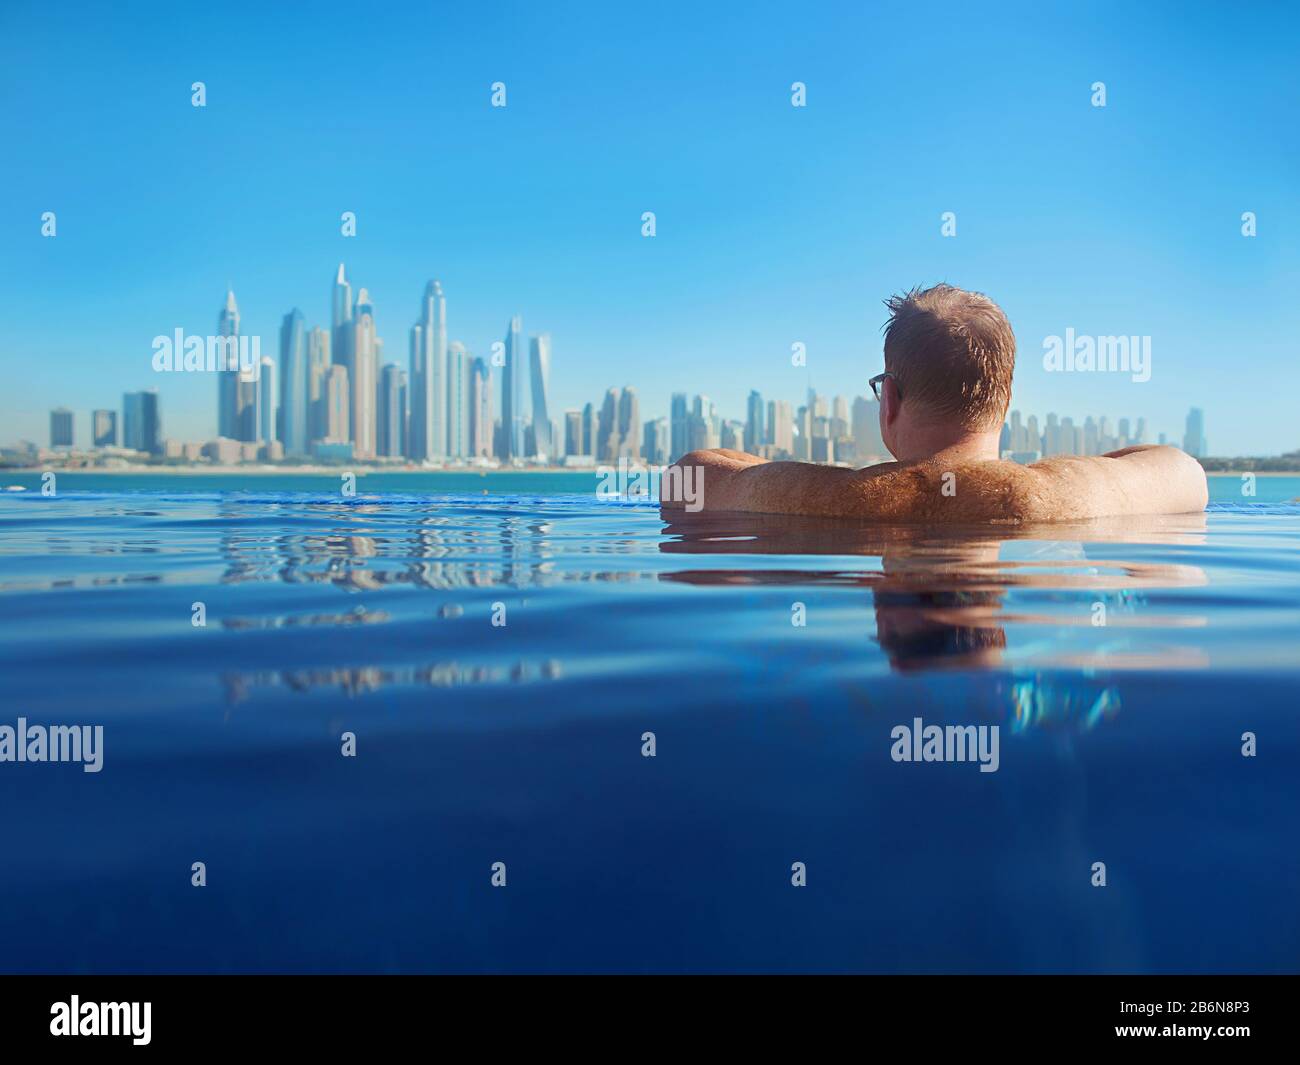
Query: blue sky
<point>775,224</point>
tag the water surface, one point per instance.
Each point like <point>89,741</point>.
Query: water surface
<point>771,658</point>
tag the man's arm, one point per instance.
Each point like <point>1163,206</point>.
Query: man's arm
<point>735,481</point>
<point>1146,479</point>
<point>1141,480</point>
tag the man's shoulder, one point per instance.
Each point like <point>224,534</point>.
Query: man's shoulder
<point>990,490</point>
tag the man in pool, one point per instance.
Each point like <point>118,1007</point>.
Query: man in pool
<point>949,357</point>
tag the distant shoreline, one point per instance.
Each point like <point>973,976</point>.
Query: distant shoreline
<point>282,470</point>
<point>361,471</point>
<point>1255,473</point>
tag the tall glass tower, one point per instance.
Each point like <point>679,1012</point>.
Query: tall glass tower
<point>755,431</point>
<point>512,413</point>
<point>435,304</point>
<point>232,397</point>
<point>341,332</point>
<point>458,401</point>
<point>540,373</point>
<point>363,371</point>
<point>428,379</point>
<point>1194,433</point>
<point>391,420</point>
<point>340,309</point>
<point>294,384</point>
<point>268,401</point>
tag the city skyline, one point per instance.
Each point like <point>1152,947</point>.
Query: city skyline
<point>241,414</point>
<point>337,400</point>
<point>789,230</point>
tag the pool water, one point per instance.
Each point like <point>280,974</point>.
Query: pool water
<point>500,661</point>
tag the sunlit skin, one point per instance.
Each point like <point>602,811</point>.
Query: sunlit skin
<point>946,473</point>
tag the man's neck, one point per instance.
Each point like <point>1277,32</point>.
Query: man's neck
<point>969,447</point>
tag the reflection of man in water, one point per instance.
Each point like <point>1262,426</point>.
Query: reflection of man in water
<point>918,630</point>
<point>924,622</point>
<point>919,625</point>
<point>938,595</point>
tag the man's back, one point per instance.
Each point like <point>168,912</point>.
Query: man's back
<point>1138,480</point>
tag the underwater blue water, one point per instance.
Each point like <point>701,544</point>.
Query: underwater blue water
<point>521,743</point>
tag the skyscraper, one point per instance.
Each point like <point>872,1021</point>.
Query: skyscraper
<point>103,428</point>
<point>803,435</point>
<point>867,444</point>
<point>318,368</point>
<point>607,441</point>
<point>680,427</point>
<point>705,429</point>
<point>539,362</point>
<point>839,418</point>
<point>133,421</point>
<point>435,333</point>
<point>295,385</point>
<point>61,432</point>
<point>1070,441</point>
<point>1016,440</point>
<point>755,433</point>
<point>1194,435</point>
<point>227,385</point>
<point>1052,435</point>
<point>340,316</point>
<point>363,371</point>
<point>336,405</point>
<point>480,404</point>
<point>389,415</point>
<point>404,408</point>
<point>268,401</point>
<point>781,419</point>
<point>629,424</point>
<point>428,380</point>
<point>589,430</point>
<point>418,428</point>
<point>458,412</point>
<point>512,410</point>
<point>572,432</point>
<point>141,421</point>
<point>1091,437</point>
<point>236,387</point>
<point>654,443</point>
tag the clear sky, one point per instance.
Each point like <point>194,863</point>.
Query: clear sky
<point>775,224</point>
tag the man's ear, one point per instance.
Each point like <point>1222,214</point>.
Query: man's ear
<point>889,401</point>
